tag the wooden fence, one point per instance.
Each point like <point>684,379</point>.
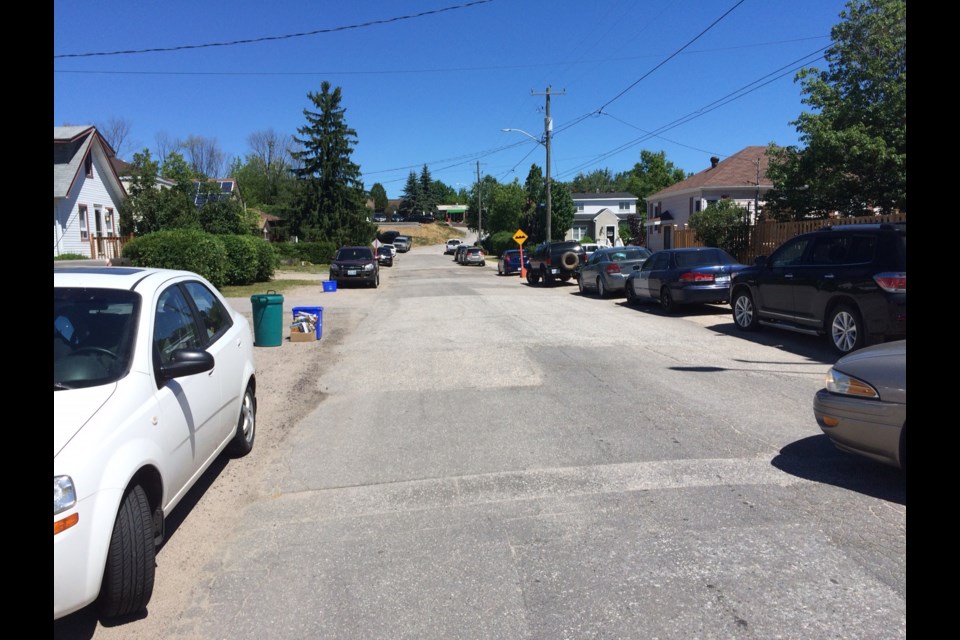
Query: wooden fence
<point>764,237</point>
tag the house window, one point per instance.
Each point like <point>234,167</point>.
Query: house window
<point>88,165</point>
<point>108,222</point>
<point>625,206</point>
<point>691,206</point>
<point>82,217</point>
<point>710,202</point>
<point>580,207</point>
<point>579,233</point>
<point>697,204</point>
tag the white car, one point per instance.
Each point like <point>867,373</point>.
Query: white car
<point>153,378</point>
<point>452,245</point>
<point>392,248</point>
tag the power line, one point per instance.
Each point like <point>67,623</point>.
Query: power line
<point>272,38</point>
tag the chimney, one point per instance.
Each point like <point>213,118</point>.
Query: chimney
<point>713,162</point>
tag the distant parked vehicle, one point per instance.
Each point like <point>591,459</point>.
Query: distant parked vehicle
<point>379,217</point>
<point>458,252</point>
<point>607,269</point>
<point>474,255</point>
<point>673,277</point>
<point>509,262</point>
<point>552,261</point>
<point>355,264</point>
<point>397,218</point>
<point>451,246</point>
<point>402,243</point>
<point>385,256</point>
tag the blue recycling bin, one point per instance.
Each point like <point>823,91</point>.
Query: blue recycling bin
<point>315,311</point>
<point>267,319</point>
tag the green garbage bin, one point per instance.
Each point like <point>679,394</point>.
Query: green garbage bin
<point>267,319</point>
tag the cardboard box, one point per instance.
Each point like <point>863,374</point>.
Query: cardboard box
<point>300,336</point>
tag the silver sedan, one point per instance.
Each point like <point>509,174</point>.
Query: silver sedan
<point>608,267</point>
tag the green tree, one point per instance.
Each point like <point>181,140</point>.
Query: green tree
<point>722,224</point>
<point>652,174</point>
<point>533,222</point>
<point>331,204</point>
<point>427,196</point>
<point>149,208</point>
<point>411,203</point>
<point>597,181</point>
<point>855,155</point>
<point>379,196</point>
<point>504,211</point>
<point>482,193</point>
<point>561,210</point>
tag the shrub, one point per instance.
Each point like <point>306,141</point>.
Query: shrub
<point>499,242</point>
<point>71,256</point>
<point>187,249</point>
<point>241,265</point>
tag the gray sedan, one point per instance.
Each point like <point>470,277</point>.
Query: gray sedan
<point>863,406</point>
<point>608,267</point>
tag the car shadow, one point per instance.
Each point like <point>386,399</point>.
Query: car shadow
<point>815,458</point>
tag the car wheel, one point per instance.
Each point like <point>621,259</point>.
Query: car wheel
<point>630,293</point>
<point>846,329</point>
<point>583,289</point>
<point>242,442</point>
<point>744,313</point>
<point>666,300</point>
<point>532,277</point>
<point>131,559</point>
<point>546,277</point>
<point>601,290</point>
<point>499,269</point>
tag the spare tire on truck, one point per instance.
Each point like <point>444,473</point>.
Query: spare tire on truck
<point>569,260</point>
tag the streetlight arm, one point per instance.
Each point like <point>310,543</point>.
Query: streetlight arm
<point>537,140</point>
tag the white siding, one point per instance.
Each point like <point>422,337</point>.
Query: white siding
<point>86,191</point>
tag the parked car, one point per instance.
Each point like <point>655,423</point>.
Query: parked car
<point>694,275</point>
<point>384,256</point>
<point>846,282</point>
<point>451,246</point>
<point>402,243</point>
<point>589,248</point>
<point>392,248</point>
<point>396,218</point>
<point>863,405</point>
<point>459,251</point>
<point>355,264</point>
<point>474,255</point>
<point>153,378</point>
<point>552,261</point>
<point>606,270</point>
<point>379,217</point>
<point>509,262</point>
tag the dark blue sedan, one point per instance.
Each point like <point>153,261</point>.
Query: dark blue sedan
<point>672,277</point>
<point>509,262</point>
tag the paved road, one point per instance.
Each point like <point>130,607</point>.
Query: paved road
<point>495,460</point>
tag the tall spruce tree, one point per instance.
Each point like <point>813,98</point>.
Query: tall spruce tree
<point>331,204</point>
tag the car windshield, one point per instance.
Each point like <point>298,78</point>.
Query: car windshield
<point>353,254</point>
<point>93,335</point>
<point>705,258</point>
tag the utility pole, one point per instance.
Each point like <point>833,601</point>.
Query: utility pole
<point>479,207</point>
<point>547,129</point>
<point>756,197</point>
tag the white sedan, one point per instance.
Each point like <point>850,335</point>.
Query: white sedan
<point>153,378</point>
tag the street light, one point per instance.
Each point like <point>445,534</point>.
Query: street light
<point>548,125</point>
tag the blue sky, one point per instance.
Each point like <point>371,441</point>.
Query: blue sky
<point>433,82</point>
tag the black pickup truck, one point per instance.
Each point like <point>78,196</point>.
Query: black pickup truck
<point>552,261</point>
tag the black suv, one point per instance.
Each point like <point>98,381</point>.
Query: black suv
<point>847,282</point>
<point>552,261</point>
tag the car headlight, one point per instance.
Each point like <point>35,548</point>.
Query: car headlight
<point>64,494</point>
<point>334,267</point>
<point>839,382</point>
<point>369,267</point>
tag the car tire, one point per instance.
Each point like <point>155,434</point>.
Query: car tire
<point>845,329</point>
<point>744,312</point>
<point>242,442</point>
<point>666,300</point>
<point>630,292</point>
<point>545,277</point>
<point>581,286</point>
<point>601,289</point>
<point>532,277</point>
<point>131,559</point>
<point>569,260</point>
<point>499,269</point>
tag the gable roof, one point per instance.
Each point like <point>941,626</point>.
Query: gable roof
<point>71,145</point>
<point>611,195</point>
<point>737,171</point>
<point>584,216</point>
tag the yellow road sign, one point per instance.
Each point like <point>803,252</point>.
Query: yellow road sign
<point>519,236</point>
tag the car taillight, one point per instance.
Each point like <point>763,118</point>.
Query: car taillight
<point>892,282</point>
<point>613,268</point>
<point>695,276</point>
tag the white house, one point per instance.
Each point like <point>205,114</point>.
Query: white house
<point>599,215</point>
<point>742,178</point>
<point>86,194</point>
